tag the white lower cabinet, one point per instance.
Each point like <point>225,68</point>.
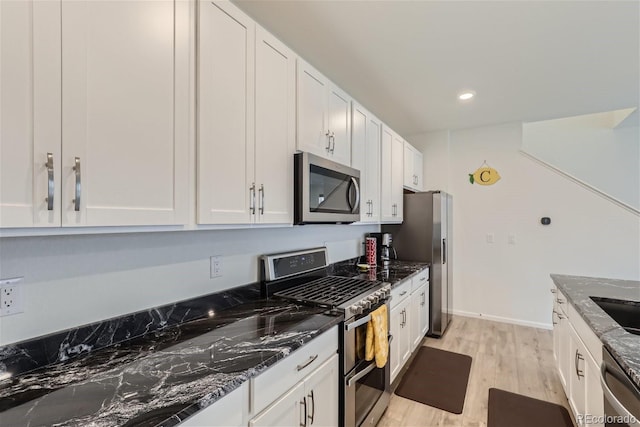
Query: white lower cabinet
<point>400,347</point>
<point>230,411</point>
<point>311,402</point>
<point>419,314</point>
<point>576,349</point>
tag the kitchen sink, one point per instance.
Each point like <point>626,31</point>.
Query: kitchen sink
<point>625,313</point>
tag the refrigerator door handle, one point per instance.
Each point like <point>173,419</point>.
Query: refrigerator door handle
<point>444,251</point>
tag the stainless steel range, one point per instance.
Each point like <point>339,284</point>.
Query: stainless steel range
<point>302,276</point>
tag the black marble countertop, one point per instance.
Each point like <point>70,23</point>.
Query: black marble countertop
<point>623,345</point>
<point>160,378</point>
<point>398,270</point>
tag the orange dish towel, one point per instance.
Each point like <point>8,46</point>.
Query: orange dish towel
<point>377,342</point>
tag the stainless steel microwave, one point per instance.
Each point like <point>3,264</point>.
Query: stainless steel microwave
<point>325,191</point>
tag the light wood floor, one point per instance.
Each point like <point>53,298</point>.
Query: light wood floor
<point>513,358</point>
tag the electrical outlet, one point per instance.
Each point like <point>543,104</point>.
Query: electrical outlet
<point>512,239</point>
<point>10,296</point>
<point>216,266</point>
<point>490,237</point>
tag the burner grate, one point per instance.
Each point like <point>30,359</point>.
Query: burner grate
<point>329,291</point>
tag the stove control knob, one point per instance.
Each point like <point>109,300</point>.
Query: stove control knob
<point>356,308</point>
<point>374,298</point>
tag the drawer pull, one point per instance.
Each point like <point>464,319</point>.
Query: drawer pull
<point>423,278</point>
<point>403,293</point>
<point>307,363</point>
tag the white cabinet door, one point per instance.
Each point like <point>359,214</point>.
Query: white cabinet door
<point>564,364</point>
<point>397,170</point>
<point>365,156</point>
<point>312,110</point>
<point>409,180</point>
<point>577,388</point>
<point>226,114</point>
<point>386,182</point>
<point>287,411</point>
<point>415,327</point>
<point>400,348</point>
<point>339,124</point>
<point>418,170</point>
<point>420,299</point>
<point>412,167</point>
<point>594,403</point>
<point>372,155</point>
<point>321,392</point>
<point>30,113</point>
<point>275,129</point>
<point>125,112</point>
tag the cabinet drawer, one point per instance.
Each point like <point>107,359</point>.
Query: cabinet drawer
<point>279,378</point>
<point>400,292</point>
<point>421,279</point>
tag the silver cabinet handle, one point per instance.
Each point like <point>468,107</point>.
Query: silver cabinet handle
<point>303,402</point>
<point>332,142</point>
<point>328,147</point>
<point>252,198</point>
<point>313,407</point>
<point>403,293</point>
<point>423,278</point>
<point>307,363</point>
<point>553,291</point>
<point>356,205</point>
<point>76,201</point>
<point>423,299</point>
<point>578,358</point>
<point>261,199</point>
<point>559,301</point>
<point>360,374</point>
<point>51,185</point>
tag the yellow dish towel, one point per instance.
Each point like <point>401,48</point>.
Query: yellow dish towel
<point>377,343</point>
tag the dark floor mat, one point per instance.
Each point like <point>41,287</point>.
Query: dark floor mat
<point>437,378</point>
<point>514,410</point>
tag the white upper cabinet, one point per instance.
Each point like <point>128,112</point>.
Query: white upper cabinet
<point>392,174</point>
<point>413,175</point>
<point>125,112</point>
<point>100,89</point>
<point>246,120</point>
<point>226,40</point>
<point>275,129</point>
<point>30,114</point>
<point>365,156</point>
<point>324,116</point>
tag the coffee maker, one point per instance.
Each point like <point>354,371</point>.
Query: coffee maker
<point>384,248</point>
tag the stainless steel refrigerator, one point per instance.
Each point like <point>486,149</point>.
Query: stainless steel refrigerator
<point>425,235</point>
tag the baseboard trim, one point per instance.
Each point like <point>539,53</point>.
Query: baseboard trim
<point>520,322</point>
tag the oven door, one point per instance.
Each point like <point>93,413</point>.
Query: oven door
<point>325,191</point>
<point>621,396</point>
<point>366,388</point>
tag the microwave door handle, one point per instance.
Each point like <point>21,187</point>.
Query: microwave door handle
<point>357,187</point>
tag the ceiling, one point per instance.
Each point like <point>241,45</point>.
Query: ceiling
<point>406,61</point>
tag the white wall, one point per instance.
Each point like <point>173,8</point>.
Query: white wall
<point>588,235</point>
<point>587,148</point>
<point>75,280</point>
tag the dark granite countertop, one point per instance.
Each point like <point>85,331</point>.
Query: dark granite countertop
<point>398,270</point>
<point>623,345</point>
<point>169,372</point>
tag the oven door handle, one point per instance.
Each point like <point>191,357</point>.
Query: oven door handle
<point>357,323</point>
<point>356,377</point>
<point>610,397</point>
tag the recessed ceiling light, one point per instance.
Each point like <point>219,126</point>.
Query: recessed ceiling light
<point>467,95</point>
